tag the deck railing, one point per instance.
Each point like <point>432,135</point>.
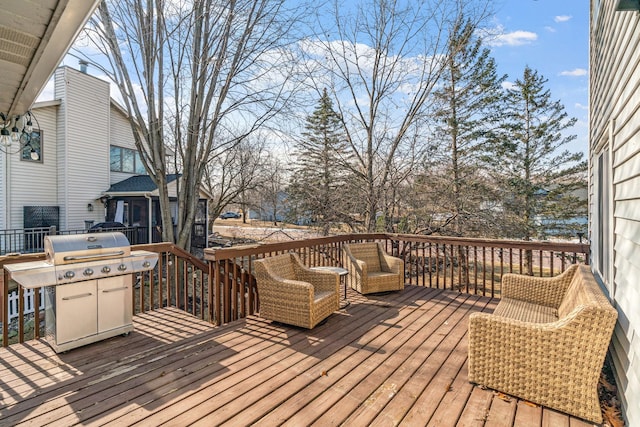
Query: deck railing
<point>462,264</point>
<point>179,280</point>
<point>223,288</point>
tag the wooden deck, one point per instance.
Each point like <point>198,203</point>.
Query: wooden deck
<point>389,359</point>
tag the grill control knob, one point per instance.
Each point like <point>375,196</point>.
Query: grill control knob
<point>146,264</point>
<point>69,274</point>
<point>87,272</point>
<point>106,269</point>
<point>122,267</point>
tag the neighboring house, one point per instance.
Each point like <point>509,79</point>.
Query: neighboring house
<point>63,186</point>
<point>135,202</point>
<point>33,37</point>
<point>87,169</point>
<point>270,207</point>
<point>614,155</point>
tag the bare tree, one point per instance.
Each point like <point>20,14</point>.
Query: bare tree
<point>231,177</point>
<point>272,190</point>
<point>384,61</point>
<point>193,77</point>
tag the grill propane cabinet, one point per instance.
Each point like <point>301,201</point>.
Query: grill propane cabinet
<point>88,286</point>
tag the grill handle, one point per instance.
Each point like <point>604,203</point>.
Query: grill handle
<point>83,257</point>
<point>124,288</point>
<point>88,294</point>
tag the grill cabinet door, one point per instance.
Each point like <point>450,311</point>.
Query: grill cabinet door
<point>76,314</point>
<point>114,302</point>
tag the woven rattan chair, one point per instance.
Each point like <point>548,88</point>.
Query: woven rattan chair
<point>371,270</point>
<point>546,341</point>
<point>291,293</point>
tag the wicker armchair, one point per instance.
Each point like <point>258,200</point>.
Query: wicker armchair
<point>546,341</point>
<point>291,293</point>
<point>371,270</point>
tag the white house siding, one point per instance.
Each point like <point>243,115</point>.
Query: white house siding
<point>30,183</point>
<point>121,136</point>
<point>615,125</point>
<point>83,146</point>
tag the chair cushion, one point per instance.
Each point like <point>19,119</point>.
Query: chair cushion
<point>526,311</point>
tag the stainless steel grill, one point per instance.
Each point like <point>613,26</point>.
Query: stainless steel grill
<point>88,279</point>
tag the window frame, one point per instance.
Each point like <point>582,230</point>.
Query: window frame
<point>128,156</point>
<point>24,146</point>
<point>602,225</point>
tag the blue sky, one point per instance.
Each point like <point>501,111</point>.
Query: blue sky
<point>552,37</point>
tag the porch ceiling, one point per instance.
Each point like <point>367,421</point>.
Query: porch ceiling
<point>34,36</point>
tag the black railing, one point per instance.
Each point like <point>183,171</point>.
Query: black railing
<point>31,240</point>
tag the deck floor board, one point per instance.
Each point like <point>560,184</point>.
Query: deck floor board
<point>391,359</point>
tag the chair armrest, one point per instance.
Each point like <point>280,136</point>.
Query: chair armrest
<point>354,265</point>
<point>394,265</point>
<point>548,291</point>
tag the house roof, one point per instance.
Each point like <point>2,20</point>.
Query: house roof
<point>142,185</point>
<point>34,37</point>
<point>138,184</point>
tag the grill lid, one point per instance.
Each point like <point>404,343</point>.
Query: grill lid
<point>69,249</point>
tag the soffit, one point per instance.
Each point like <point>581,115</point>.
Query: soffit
<point>34,37</point>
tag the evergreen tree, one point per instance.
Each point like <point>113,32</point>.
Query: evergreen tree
<point>469,104</point>
<point>540,178</point>
<point>318,183</point>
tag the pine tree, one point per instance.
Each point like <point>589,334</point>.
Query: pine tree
<point>318,184</point>
<point>539,177</point>
<point>469,104</point>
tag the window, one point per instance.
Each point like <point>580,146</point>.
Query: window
<point>602,217</point>
<point>116,158</point>
<point>139,166</point>
<point>126,160</point>
<point>32,146</point>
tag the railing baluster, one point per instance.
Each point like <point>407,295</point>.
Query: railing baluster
<point>235,290</point>
<point>541,264</point>
<point>149,276</point>
<point>36,313</point>
<point>437,265</point>
<point>194,300</point>
<point>226,308</point>
<point>211,290</point>
<point>484,271</point>
<point>21,314</point>
<point>453,264</point>
<point>475,270</point>
<point>493,271</point>
<point>521,271</point>
<point>431,265</point>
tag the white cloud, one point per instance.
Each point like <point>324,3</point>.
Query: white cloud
<point>508,85</point>
<point>498,37</point>
<point>581,107</point>
<point>550,29</point>
<point>577,72</point>
<point>562,18</point>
